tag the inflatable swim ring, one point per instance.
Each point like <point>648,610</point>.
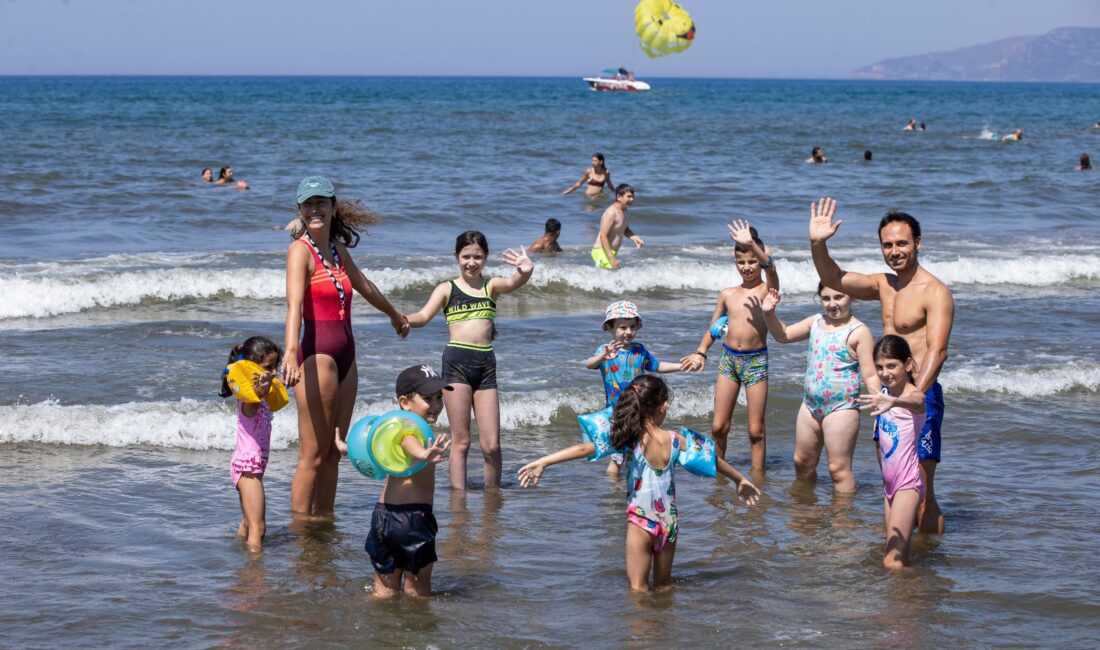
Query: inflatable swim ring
<point>374,444</point>
<point>239,376</point>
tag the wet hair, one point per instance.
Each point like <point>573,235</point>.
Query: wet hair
<point>922,126</point>
<point>638,405</point>
<point>222,171</point>
<point>253,349</point>
<point>204,170</point>
<point>867,154</point>
<point>816,151</point>
<point>598,156</point>
<point>1085,162</point>
<point>348,223</point>
<point>896,216</point>
<point>552,226</point>
<point>471,237</point>
<point>738,247</point>
<point>892,346</point>
<point>623,188</point>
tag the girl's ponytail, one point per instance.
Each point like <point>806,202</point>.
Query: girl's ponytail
<point>638,405</point>
<point>254,349</point>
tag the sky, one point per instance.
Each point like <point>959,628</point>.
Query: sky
<point>735,38</point>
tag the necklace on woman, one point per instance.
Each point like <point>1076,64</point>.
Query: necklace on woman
<point>331,275</point>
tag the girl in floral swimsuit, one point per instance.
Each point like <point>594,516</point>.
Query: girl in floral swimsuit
<point>651,456</point>
<point>839,352</point>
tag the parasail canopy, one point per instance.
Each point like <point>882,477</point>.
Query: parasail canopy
<point>664,27</point>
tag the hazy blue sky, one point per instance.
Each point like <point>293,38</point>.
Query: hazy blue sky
<point>736,38</point>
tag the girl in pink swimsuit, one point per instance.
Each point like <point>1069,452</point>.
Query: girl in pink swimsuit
<point>253,438</point>
<point>899,416</point>
<point>651,454</point>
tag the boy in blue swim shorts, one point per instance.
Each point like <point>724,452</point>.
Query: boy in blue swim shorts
<point>744,360</point>
<point>623,359</point>
<point>401,543</point>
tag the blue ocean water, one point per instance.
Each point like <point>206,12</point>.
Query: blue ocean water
<point>125,281</point>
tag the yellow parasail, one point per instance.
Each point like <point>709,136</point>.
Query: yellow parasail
<point>664,27</point>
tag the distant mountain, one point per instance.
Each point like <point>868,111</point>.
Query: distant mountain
<point>1064,54</point>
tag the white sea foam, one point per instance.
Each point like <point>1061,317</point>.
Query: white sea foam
<point>1025,382</point>
<point>192,424</point>
<point>52,294</point>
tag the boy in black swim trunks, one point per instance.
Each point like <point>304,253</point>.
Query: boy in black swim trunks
<point>403,528</point>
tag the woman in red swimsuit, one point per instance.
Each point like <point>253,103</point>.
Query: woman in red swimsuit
<point>320,276</point>
<point>595,176</point>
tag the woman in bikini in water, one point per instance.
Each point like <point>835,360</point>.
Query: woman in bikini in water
<point>320,276</point>
<point>595,176</point>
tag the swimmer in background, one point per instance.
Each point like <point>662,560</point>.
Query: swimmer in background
<point>547,243</point>
<point>225,177</point>
<point>207,175</point>
<point>867,155</point>
<point>596,176</point>
<point>817,156</point>
<point>1085,164</point>
<point>921,127</point>
<point>911,126</point>
<point>401,543</point>
<point>613,227</point>
<point>1013,137</point>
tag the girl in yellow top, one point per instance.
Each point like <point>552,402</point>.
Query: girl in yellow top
<point>469,365</point>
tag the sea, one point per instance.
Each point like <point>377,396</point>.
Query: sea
<point>125,281</point>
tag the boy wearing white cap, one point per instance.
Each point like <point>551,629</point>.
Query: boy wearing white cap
<point>623,359</point>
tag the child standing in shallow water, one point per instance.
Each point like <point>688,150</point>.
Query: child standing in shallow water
<point>469,365</point>
<point>401,543</point>
<point>744,361</point>
<point>651,456</point>
<point>899,416</point>
<point>623,359</point>
<point>253,438</point>
<point>839,352</point>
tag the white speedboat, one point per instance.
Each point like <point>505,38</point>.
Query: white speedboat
<point>615,79</point>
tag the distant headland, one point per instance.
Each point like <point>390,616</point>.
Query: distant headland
<point>1070,54</point>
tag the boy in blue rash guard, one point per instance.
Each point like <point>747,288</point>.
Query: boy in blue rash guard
<point>623,359</point>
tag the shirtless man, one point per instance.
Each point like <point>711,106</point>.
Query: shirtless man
<point>916,305</point>
<point>613,227</point>
<point>548,244</point>
<point>596,176</point>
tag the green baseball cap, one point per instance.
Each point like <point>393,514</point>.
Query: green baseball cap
<point>314,186</point>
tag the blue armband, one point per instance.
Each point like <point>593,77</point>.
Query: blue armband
<point>596,428</point>
<point>718,329</point>
<point>697,456</point>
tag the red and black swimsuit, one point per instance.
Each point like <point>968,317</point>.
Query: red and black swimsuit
<point>326,312</point>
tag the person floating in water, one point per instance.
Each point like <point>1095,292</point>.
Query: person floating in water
<point>1013,137</point>
<point>207,175</point>
<point>911,126</point>
<point>225,177</point>
<point>1085,164</point>
<point>547,244</point>
<point>867,155</point>
<point>817,156</point>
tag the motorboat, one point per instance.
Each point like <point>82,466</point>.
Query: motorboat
<point>615,79</point>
